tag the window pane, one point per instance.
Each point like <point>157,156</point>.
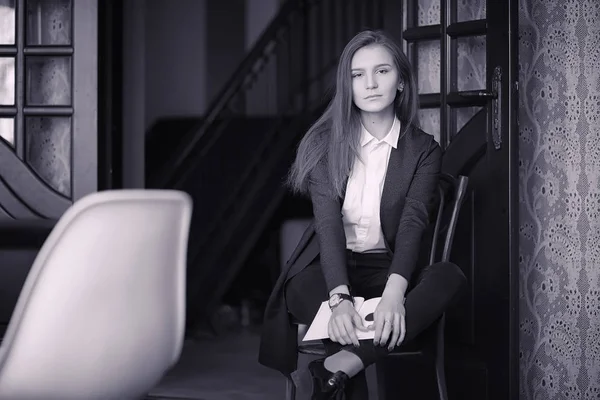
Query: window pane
<point>48,22</point>
<point>428,66</point>
<point>7,81</point>
<point>48,81</point>
<point>462,116</point>
<point>430,121</point>
<point>7,130</point>
<point>470,63</point>
<point>7,21</point>
<point>469,10</point>
<point>48,150</point>
<point>428,12</point>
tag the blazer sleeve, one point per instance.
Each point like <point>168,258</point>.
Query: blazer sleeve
<point>415,215</point>
<point>329,227</point>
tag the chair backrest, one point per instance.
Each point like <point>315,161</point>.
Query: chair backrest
<point>102,312</point>
<point>460,191</point>
<point>439,236</point>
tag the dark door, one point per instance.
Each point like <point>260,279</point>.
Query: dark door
<point>464,52</point>
<point>48,106</point>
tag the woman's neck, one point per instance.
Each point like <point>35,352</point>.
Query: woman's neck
<point>378,124</point>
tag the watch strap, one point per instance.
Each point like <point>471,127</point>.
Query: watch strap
<point>342,296</point>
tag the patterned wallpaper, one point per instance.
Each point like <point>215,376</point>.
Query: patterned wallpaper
<point>559,116</point>
<point>559,140</point>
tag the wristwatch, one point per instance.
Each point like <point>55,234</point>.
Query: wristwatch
<point>337,298</point>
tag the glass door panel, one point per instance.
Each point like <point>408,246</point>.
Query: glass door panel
<point>430,121</point>
<point>48,152</point>
<point>449,58</point>
<point>49,22</point>
<point>428,13</point>
<point>428,66</point>
<point>7,81</point>
<point>8,19</point>
<point>7,130</point>
<point>460,116</point>
<point>469,54</point>
<point>48,81</point>
<point>469,10</point>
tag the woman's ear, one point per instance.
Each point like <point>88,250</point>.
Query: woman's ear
<point>400,86</point>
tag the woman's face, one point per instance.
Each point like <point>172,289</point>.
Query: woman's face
<point>375,79</point>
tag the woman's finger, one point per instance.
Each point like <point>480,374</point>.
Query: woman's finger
<point>358,323</point>
<point>343,337</point>
<point>336,332</point>
<point>387,328</point>
<point>343,324</point>
<point>349,325</point>
<point>402,329</point>
<point>395,332</point>
<point>379,321</point>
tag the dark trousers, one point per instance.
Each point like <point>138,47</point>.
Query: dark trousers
<point>429,293</point>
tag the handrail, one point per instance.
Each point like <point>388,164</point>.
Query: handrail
<point>279,23</point>
<point>302,83</point>
<point>230,89</point>
<point>233,197</point>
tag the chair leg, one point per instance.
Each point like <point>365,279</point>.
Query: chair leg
<point>290,389</point>
<point>440,377</point>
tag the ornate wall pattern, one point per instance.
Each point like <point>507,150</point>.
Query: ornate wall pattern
<point>559,199</point>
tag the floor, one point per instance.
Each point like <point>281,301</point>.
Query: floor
<point>226,368</point>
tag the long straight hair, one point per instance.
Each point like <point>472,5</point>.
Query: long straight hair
<point>334,138</point>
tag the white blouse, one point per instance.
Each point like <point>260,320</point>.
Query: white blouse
<point>360,210</point>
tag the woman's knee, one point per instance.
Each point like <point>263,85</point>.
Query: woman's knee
<point>450,274</point>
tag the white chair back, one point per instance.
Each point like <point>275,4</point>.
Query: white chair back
<point>102,312</point>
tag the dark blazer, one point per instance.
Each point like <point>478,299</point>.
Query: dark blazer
<point>409,192</point>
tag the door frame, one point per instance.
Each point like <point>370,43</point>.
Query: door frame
<point>110,77</point>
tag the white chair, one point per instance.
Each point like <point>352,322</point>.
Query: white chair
<point>102,312</point>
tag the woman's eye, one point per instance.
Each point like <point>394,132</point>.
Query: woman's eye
<point>356,75</point>
<point>383,71</point>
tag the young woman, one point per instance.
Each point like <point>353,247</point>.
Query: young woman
<point>372,177</point>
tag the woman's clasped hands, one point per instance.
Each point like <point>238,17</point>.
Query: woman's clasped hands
<point>343,323</point>
<point>388,322</point>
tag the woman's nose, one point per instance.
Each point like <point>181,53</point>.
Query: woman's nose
<point>371,82</point>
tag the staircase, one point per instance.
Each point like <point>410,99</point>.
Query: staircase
<point>233,163</point>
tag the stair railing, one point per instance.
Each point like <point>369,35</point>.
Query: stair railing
<point>305,40</point>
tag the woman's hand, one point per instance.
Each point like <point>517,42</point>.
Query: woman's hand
<point>390,326</point>
<point>344,319</point>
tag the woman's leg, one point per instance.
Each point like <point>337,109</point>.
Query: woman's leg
<point>436,286</point>
<point>304,294</point>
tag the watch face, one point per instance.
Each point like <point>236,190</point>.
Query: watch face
<point>334,300</point>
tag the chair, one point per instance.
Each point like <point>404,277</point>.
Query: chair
<point>101,314</point>
<point>452,192</point>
